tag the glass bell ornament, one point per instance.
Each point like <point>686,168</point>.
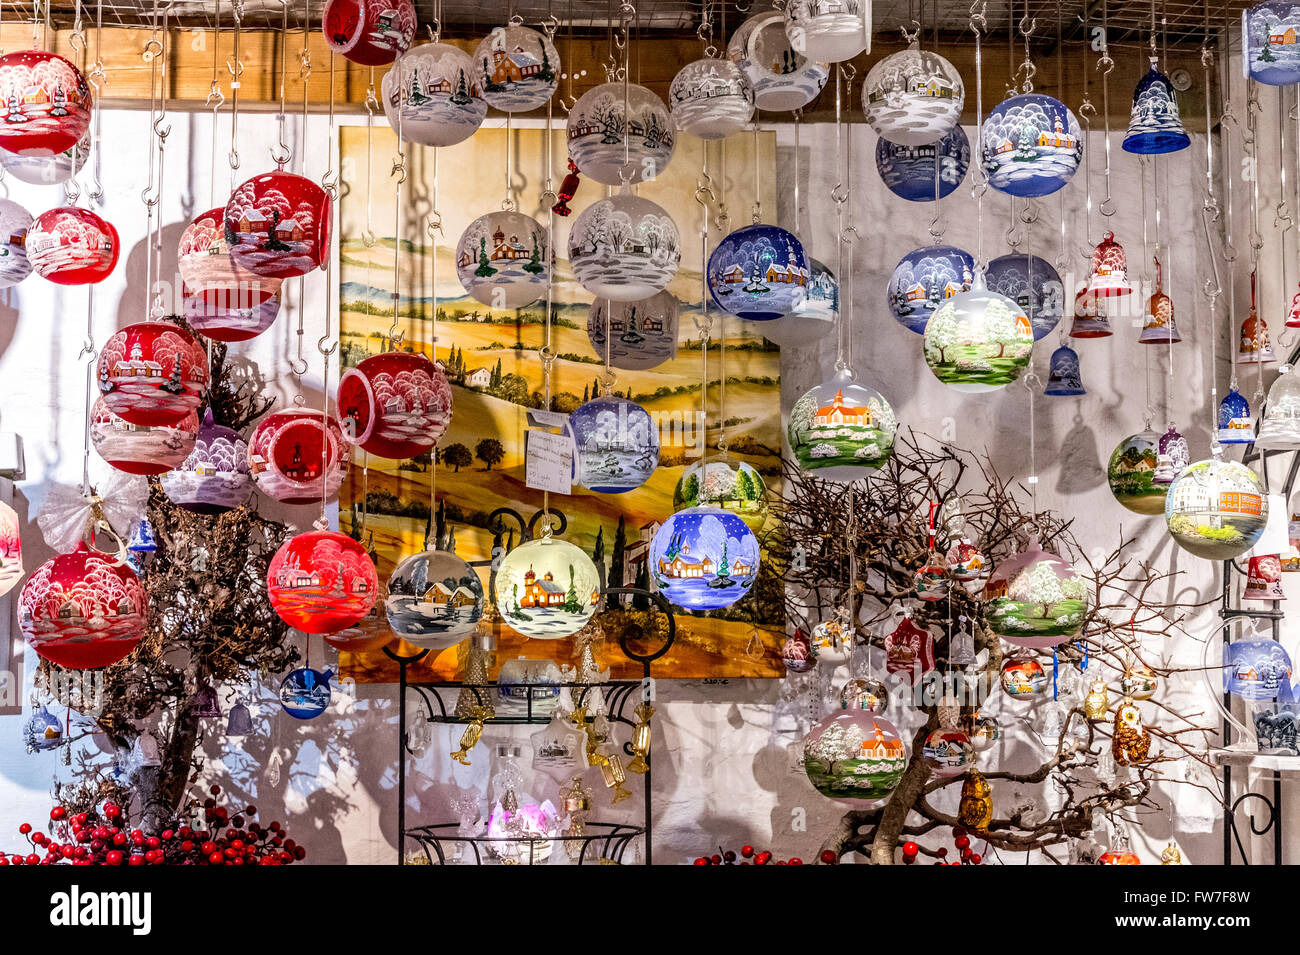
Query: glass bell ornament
<point>1064,377</point>
<point>1032,145</point>
<point>1154,125</point>
<point>214,476</point>
<point>782,79</point>
<point>72,246</point>
<point>368,32</point>
<point>395,405</point>
<point>1131,474</point>
<point>221,300</point>
<point>908,171</point>
<point>1270,53</point>
<point>297,456</point>
<point>797,653</point>
<point>711,98</point>
<point>731,486</point>
<point>305,693</point>
<point>924,279</point>
<point>1090,320</point>
<point>435,599</point>
<point>48,170</point>
<point>153,373</point>
<point>15,221</point>
<point>1254,344</point>
<point>624,248</point>
<point>1293,311</point>
<point>965,562</point>
<point>141,449</point>
<point>1109,274</point>
<point>1216,509</point>
<point>864,694</point>
<point>1236,426</point>
<point>240,720</point>
<point>615,444</point>
<point>1279,429</point>
<point>961,647</point>
<point>596,133</point>
<point>1023,677</point>
<point>829,31</point>
<point>759,272</point>
<point>502,259</point>
<point>704,558</point>
<point>142,538</point>
<point>642,334</point>
<point>1172,455</point>
<point>841,430</point>
<point>1264,578</point>
<point>11,549</point>
<point>46,103</point>
<point>1033,284</point>
<point>1159,327</point>
<point>432,92</point>
<point>913,97</point>
<point>546,589</point>
<point>278,225</point>
<point>1035,599</point>
<point>854,754</point>
<point>321,582</point>
<point>519,68</point>
<point>978,341</point>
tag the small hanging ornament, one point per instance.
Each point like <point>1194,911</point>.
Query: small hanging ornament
<point>624,248</point>
<point>641,736</point>
<point>864,694</point>
<point>1154,125</point>
<point>1109,274</point>
<point>1254,345</point>
<point>1032,145</point>
<point>1264,578</point>
<point>983,731</point>
<point>369,32</point>
<point>829,32</point>
<point>1235,423</point>
<point>711,98</point>
<point>605,147</point>
<point>1023,677</point>
<point>1130,741</point>
<point>1279,430</point>
<point>1171,854</point>
<point>782,79</point>
<point>611,771</point>
<point>909,649</point>
<point>43,731</point>
<point>473,730</point>
<point>1090,319</point>
<point>1159,328</point>
<point>15,221</point>
<point>1097,703</point>
<point>72,246</point>
<point>321,582</point>
<point>559,748</point>
<point>961,648</point>
<point>925,279</point>
<point>948,752</point>
<point>1293,312</point>
<point>965,562</point>
<point>913,97</point>
<point>519,68</point>
<point>975,810</point>
<point>1172,456</point>
<point>503,259</point>
<point>153,373</point>
<point>797,653</point>
<point>240,721</point>
<point>1119,853</point>
<point>576,800</point>
<point>568,189</point>
<point>931,582</point>
<point>278,225</point>
<point>1064,376</point>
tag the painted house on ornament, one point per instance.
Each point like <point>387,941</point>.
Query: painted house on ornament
<point>514,249</point>
<point>541,593</point>
<point>878,747</point>
<point>1058,138</point>
<point>289,230</point>
<point>513,67</point>
<point>440,593</point>
<point>837,413</point>
<point>136,367</point>
<point>685,566</point>
<point>253,222</point>
<point>1285,38</point>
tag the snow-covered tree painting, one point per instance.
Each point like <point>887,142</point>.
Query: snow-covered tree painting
<point>924,279</point>
<point>215,476</point>
<point>1033,284</point>
<point>978,349</point>
<point>908,171</point>
<point>1032,145</point>
<point>598,127</point>
<point>1270,35</point>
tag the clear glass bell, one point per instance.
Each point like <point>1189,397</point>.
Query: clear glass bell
<point>1280,428</point>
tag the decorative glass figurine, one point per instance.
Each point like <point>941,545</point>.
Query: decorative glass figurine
<point>1090,320</point>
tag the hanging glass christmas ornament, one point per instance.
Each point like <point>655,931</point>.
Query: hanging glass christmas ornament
<point>854,754</point>
<point>1031,145</point>
<point>72,246</point>
<point>435,599</point>
<point>321,582</point>
<point>1033,284</point>
<point>43,731</point>
<point>48,170</point>
<point>759,272</point>
<point>141,449</point>
<point>642,334</point>
<point>45,103</point>
<point>1119,854</point>
<point>1159,328</point>
<point>1254,345</point>
<point>597,129</point>
<point>814,317</point>
<point>395,405</point>
<point>1236,426</point>
<point>1109,274</point>
<point>842,430</point>
<point>1279,429</point>
<point>1255,670</point>
<point>864,694</point>
<point>1138,681</point>
<point>518,68</point>
<point>909,649</point>
<point>214,477</point>
<point>832,641</point>
<point>782,79</point>
<point>1090,319</point>
<point>1154,125</point>
<point>306,693</point>
<point>1064,377</point>
<point>232,318</point>
<point>153,373</point>
<point>1036,599</point>
<point>222,301</point>
<point>948,752</point>
<point>369,32</point>
<point>1293,312</point>
<point>984,732</point>
<point>978,341</point>
<point>14,223</point>
<point>1264,578</point>
<point>502,259</point>
<point>547,589</point>
<point>704,558</point>
<point>965,562</point>
<point>435,88</point>
<point>1129,742</point>
<point>1131,474</point>
<point>624,248</point>
<point>930,583</point>
<point>297,456</point>
<point>11,549</point>
<point>711,98</point>
<point>240,721</point>
<point>829,31</point>
<point>278,225</point>
<point>1023,677</point>
<point>1172,456</point>
<point>1270,53</point>
<point>913,97</point>
<point>1216,509</point>
<point>925,279</point>
<point>83,610</point>
<point>797,653</point>
<point>908,171</point>
<point>615,442</point>
<point>733,487</point>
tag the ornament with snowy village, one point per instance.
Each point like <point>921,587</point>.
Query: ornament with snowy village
<point>141,449</point>
<point>1269,33</point>
<point>369,32</point>
<point>14,223</point>
<point>432,95</point>
<point>321,581</point>
<point>547,589</point>
<point>214,477</point>
<point>782,79</point>
<point>48,170</point>
<point>45,103</point>
<point>502,259</point>
<point>624,248</point>
<point>759,272</point>
<point>924,279</point>
<point>711,98</point>
<point>153,373</point>
<point>1032,145</point>
<point>396,405</point>
<point>830,31</point>
<point>222,301</point>
<point>1033,284</point>
<point>278,225</point>
<point>908,171</point>
<point>606,143</point>
<point>72,246</point>
<point>434,600</point>
<point>704,558</point>
<point>615,442</point>
<point>518,68</point>
<point>641,334</point>
<point>298,456</point>
<point>913,97</point>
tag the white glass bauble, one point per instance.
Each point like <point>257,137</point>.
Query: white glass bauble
<point>502,259</point>
<point>624,248</point>
<point>841,430</point>
<point>518,68</point>
<point>711,99</point>
<point>978,341</point>
<point>438,90</point>
<point>547,589</point>
<point>830,31</point>
<point>434,600</point>
<point>1216,509</point>
<point>913,97</point>
<point>596,141</point>
<point>782,79</point>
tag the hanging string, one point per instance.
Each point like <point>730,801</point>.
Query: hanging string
<point>433,228</point>
<point>236,68</point>
<point>704,323</point>
<point>548,200</point>
<point>1106,65</point>
<point>978,26</point>
<point>1251,141</point>
<point>1212,287</point>
<point>839,195</point>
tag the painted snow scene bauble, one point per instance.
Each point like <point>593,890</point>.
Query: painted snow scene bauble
<point>222,301</point>
<point>1216,509</point>
<point>1269,32</point>
<point>11,549</point>
<point>502,261</point>
<point>948,752</point>
<point>547,589</point>
<point>278,225</point>
<point>153,373</point>
<point>228,320</point>
<point>711,99</point>
<point>704,558</point>
<point>797,653</point>
<point>1023,677</point>
<point>48,170</point>
<point>913,97</point>
<point>14,223</point>
<point>759,272</point>
<point>306,693</point>
<point>1032,145</point>
<point>518,68</point>
<point>1033,284</point>
<point>297,456</point>
<point>782,79</point>
<point>615,444</point>
<point>321,581</point>
<point>1131,474</point>
<point>814,317</point>
<point>642,334</point>
<point>596,129</point>
<point>854,754</point>
<point>965,561</point>
<point>45,103</point>
<point>369,32</point>
<point>624,248</point>
<point>83,610</point>
<point>830,31</point>
<point>1035,599</point>
<point>396,405</point>
<point>434,599</point>
<point>441,102</point>
<point>736,488</point>
<point>924,279</point>
<point>978,341</point>
<point>214,477</point>
<point>841,430</point>
<point>71,246</point>
<point>908,171</point>
<point>1154,125</point>
<point>141,449</point>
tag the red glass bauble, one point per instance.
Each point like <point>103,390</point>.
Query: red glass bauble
<point>369,32</point>
<point>222,301</point>
<point>297,456</point>
<point>11,549</point>
<point>71,246</point>
<point>83,610</point>
<point>321,582</point>
<point>44,103</point>
<point>397,404</point>
<point>278,225</point>
<point>153,373</point>
<point>141,449</point>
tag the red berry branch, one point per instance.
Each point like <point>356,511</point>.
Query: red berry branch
<point>748,856</point>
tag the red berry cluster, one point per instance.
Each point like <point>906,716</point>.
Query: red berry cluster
<point>960,841</point>
<point>749,856</point>
<point>99,837</point>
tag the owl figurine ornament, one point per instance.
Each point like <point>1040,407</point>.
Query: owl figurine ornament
<point>975,811</point>
<point>1097,702</point>
<point>1131,742</point>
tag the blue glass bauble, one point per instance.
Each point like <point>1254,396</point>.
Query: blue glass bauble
<point>616,444</point>
<point>1032,284</point>
<point>1270,39</point>
<point>924,279</point>
<point>305,693</point>
<point>759,272</point>
<point>908,171</point>
<point>704,558</point>
<point>1032,145</point>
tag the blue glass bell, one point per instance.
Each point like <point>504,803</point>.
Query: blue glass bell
<point>204,705</point>
<point>1235,426</point>
<point>1063,375</point>
<point>1154,125</point>
<point>240,722</point>
<point>908,171</point>
<point>142,540</point>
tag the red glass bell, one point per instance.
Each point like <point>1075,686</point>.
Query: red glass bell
<point>71,246</point>
<point>45,103</point>
<point>1255,345</point>
<point>222,301</point>
<point>321,582</point>
<point>1293,313</point>
<point>278,225</point>
<point>297,456</point>
<point>1090,319</point>
<point>1264,578</point>
<point>1159,328</point>
<point>369,32</point>
<point>153,373</point>
<point>397,404</point>
<point>83,610</point>
<point>1109,268</point>
<point>141,449</point>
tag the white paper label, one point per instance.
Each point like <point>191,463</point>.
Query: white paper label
<point>548,462</point>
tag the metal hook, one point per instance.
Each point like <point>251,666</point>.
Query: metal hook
<point>1027,25</point>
